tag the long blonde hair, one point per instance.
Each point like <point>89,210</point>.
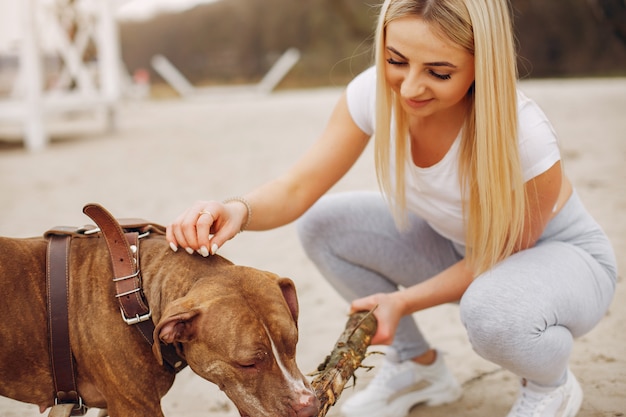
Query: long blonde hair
<point>489,166</point>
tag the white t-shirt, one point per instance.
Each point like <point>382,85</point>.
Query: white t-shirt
<point>434,193</point>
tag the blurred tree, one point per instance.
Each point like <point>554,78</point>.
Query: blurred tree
<point>359,24</point>
<point>614,12</point>
<point>237,41</point>
<point>560,38</point>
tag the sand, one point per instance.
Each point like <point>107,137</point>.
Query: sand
<point>166,154</point>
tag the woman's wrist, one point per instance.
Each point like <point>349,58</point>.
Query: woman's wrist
<point>402,301</point>
<point>244,202</point>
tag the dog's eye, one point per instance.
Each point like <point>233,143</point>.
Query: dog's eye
<point>252,362</point>
<point>247,365</point>
<point>248,368</point>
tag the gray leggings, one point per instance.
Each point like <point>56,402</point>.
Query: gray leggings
<point>523,314</point>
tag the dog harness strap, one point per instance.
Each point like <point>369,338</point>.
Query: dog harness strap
<point>126,273</point>
<point>124,252</point>
<point>62,361</point>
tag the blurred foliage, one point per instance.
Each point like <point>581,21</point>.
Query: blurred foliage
<point>613,13</point>
<point>237,41</point>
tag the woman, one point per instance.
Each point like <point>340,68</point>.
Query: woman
<point>475,209</point>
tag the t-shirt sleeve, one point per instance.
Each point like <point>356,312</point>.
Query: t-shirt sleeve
<point>539,148</point>
<point>361,97</point>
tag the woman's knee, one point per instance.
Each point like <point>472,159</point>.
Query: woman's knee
<point>496,319</point>
<point>508,329</point>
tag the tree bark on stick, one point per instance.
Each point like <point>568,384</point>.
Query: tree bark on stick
<point>345,358</point>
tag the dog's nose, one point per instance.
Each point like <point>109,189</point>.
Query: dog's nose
<point>308,407</point>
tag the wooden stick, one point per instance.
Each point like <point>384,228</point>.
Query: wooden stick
<point>345,358</point>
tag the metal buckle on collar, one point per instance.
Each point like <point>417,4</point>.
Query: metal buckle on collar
<point>88,230</point>
<point>144,234</point>
<point>134,275</point>
<point>137,319</point>
<point>79,409</point>
<point>92,230</point>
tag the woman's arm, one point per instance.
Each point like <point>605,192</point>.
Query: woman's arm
<point>546,195</point>
<point>446,287</point>
<point>280,201</point>
<point>331,156</point>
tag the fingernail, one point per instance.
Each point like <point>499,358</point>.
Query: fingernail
<point>173,247</point>
<point>214,248</point>
<point>204,251</point>
<point>189,251</point>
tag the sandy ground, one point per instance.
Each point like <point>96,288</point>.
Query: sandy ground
<point>166,154</point>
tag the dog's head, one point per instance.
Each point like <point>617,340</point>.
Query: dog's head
<point>239,331</point>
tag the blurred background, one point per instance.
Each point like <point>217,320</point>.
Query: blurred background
<point>237,40</point>
<point>59,57</point>
<point>64,56</point>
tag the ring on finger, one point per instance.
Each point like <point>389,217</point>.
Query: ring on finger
<point>203,211</point>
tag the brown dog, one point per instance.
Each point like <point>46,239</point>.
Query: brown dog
<point>235,326</point>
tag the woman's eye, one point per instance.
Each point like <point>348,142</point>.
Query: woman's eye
<point>394,62</point>
<point>439,75</point>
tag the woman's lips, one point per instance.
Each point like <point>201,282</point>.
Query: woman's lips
<point>417,104</point>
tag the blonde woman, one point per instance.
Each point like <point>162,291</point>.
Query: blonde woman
<point>475,208</point>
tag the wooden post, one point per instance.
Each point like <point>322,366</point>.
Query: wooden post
<point>66,30</point>
<point>31,74</point>
<point>109,57</point>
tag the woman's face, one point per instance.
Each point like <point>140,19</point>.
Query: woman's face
<point>429,72</point>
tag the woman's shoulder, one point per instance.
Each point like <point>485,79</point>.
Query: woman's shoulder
<point>538,141</point>
<point>361,99</point>
<point>363,82</point>
<point>529,112</point>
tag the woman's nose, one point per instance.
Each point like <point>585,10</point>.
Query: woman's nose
<point>413,85</point>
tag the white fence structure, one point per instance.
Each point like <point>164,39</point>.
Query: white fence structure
<point>266,85</point>
<point>81,38</point>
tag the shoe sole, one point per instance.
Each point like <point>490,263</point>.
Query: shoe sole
<point>433,399</point>
<point>402,406</point>
<point>576,399</point>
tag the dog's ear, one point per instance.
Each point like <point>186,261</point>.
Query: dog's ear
<point>289,294</point>
<point>175,328</point>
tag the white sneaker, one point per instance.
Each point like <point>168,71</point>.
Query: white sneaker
<point>398,386</point>
<point>537,401</point>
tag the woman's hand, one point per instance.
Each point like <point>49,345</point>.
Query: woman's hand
<point>389,311</point>
<point>206,226</point>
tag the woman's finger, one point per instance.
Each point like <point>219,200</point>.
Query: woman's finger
<point>206,219</point>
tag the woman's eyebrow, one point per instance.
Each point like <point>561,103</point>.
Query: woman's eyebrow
<point>428,64</point>
<point>395,51</point>
<point>440,64</point>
